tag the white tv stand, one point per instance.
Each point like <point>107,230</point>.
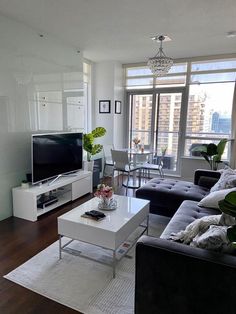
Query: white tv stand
<point>65,189</point>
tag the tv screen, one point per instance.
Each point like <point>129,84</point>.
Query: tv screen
<point>55,154</point>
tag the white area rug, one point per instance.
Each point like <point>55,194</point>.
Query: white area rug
<point>81,284</point>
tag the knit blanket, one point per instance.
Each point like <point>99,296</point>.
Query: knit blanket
<point>208,232</point>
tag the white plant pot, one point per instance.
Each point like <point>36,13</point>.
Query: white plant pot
<point>88,165</point>
<point>24,185</point>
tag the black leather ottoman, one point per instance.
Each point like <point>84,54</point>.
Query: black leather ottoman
<point>166,195</point>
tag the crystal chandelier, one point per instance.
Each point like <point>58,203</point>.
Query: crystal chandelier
<point>160,64</point>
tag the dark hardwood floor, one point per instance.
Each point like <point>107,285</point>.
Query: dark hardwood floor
<point>19,241</point>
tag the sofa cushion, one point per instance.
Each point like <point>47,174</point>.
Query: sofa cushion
<point>227,180</point>
<point>187,213</point>
<point>212,199</point>
<point>166,195</point>
<point>207,182</point>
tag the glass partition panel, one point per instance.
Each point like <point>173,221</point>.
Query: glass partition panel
<point>167,127</point>
<point>213,77</point>
<point>209,109</point>
<point>140,83</point>
<point>170,81</point>
<point>178,68</point>
<point>139,71</point>
<point>141,108</point>
<point>213,65</point>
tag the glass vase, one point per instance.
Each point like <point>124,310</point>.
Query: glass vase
<point>107,204</point>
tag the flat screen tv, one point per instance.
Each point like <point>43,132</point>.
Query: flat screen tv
<point>55,154</point>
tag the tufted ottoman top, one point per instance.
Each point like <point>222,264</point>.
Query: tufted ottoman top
<point>170,193</point>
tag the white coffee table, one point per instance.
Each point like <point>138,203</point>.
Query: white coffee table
<point>108,233</point>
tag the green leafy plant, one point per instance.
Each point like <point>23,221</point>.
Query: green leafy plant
<point>228,206</point>
<point>88,142</point>
<point>212,152</point>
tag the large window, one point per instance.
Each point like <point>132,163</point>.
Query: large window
<point>141,116</point>
<point>203,115</point>
<point>209,114</point>
<point>140,77</point>
<point>210,103</point>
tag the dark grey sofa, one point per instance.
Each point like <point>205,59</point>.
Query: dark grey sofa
<point>175,278</point>
<point>166,195</point>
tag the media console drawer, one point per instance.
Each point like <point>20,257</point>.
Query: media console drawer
<point>81,187</point>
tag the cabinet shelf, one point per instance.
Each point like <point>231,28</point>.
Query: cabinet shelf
<point>65,189</point>
<point>62,199</point>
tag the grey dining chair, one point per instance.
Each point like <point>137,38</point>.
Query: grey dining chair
<point>155,167</point>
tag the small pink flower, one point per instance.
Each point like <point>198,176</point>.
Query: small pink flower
<point>104,191</point>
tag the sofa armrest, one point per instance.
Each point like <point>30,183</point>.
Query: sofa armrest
<point>176,278</point>
<point>205,173</point>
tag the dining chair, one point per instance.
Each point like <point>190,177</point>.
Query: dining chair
<point>107,157</point>
<point>155,167</point>
<point>122,164</point>
<point>140,160</point>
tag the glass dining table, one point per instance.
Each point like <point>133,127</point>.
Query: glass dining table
<point>134,157</point>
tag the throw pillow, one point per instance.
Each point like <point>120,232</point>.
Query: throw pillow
<point>215,239</point>
<point>212,199</point>
<point>227,180</point>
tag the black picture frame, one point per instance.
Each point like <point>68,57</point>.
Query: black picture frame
<point>117,106</point>
<point>104,106</point>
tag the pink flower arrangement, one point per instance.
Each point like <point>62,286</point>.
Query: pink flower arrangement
<point>104,191</point>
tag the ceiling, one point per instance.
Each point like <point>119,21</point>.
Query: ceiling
<point>121,29</point>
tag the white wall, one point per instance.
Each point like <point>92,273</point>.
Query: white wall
<point>119,119</point>
<point>190,164</point>
<point>30,66</point>
<point>104,90</point>
<point>109,86</point>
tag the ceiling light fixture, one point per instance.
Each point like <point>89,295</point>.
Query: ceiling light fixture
<point>160,64</point>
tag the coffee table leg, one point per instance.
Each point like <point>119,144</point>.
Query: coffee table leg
<point>60,246</point>
<point>114,264</point>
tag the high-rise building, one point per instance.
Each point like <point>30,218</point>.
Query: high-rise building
<point>220,123</point>
<point>168,119</point>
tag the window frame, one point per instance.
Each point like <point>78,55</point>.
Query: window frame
<point>188,73</point>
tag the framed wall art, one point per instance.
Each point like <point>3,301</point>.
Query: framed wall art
<point>118,106</point>
<point>104,106</point>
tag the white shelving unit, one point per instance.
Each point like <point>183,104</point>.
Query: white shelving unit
<point>66,189</point>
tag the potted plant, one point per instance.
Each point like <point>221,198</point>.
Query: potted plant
<point>24,184</point>
<point>90,147</point>
<point>212,152</point>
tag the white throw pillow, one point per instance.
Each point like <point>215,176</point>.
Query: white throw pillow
<point>212,199</point>
<point>215,239</point>
<point>227,180</point>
